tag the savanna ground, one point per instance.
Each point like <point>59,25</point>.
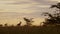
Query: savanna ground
<point>30,30</point>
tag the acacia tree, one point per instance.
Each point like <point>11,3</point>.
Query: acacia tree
<point>28,21</point>
<point>53,18</point>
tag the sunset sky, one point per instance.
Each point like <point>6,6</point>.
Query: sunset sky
<point>12,11</point>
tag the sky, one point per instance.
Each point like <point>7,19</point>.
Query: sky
<point>12,11</point>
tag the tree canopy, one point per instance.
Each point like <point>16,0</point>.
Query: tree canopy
<point>53,18</point>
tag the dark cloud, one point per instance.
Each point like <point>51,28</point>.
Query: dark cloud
<point>45,2</point>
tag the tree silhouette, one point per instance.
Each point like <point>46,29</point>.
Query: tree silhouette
<point>53,18</point>
<point>57,6</point>
<point>28,21</point>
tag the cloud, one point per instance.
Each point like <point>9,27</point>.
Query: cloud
<point>15,2</point>
<point>33,7</point>
<point>40,2</point>
<point>45,2</point>
<point>55,0</point>
<point>19,2</point>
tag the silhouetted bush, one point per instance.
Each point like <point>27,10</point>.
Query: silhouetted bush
<point>1,25</point>
<point>19,24</point>
<point>6,25</point>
